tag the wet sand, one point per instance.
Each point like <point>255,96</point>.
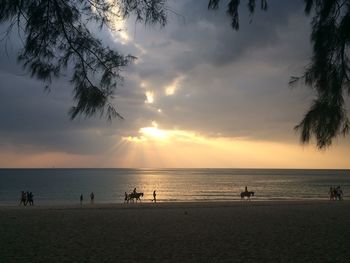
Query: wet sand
<point>315,231</point>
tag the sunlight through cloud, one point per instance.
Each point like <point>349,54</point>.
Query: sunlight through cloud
<point>149,97</point>
<point>154,133</point>
<point>174,86</point>
<point>119,31</point>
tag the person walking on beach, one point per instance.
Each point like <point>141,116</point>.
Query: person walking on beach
<point>154,196</point>
<point>30,198</point>
<point>92,197</point>
<point>27,197</point>
<point>126,198</point>
<point>81,200</point>
<point>23,199</point>
<point>331,193</point>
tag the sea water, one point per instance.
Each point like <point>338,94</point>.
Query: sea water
<point>64,186</point>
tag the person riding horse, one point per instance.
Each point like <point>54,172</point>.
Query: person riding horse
<point>246,193</point>
<point>134,195</point>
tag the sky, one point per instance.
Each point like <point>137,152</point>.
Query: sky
<point>199,95</point>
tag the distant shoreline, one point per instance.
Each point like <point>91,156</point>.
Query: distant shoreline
<point>184,204</point>
<point>180,168</point>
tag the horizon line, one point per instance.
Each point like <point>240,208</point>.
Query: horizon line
<point>170,168</point>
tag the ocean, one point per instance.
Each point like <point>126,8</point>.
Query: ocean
<point>64,186</point>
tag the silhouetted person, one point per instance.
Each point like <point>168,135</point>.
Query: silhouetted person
<point>154,196</point>
<point>246,189</point>
<point>331,193</point>
<point>339,193</point>
<point>92,197</point>
<point>23,198</point>
<point>126,198</point>
<point>81,200</point>
<point>27,199</point>
<point>30,198</point>
<point>134,190</point>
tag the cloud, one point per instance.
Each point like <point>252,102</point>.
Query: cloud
<point>195,74</point>
<point>232,82</point>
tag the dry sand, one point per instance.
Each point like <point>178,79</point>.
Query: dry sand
<point>178,232</point>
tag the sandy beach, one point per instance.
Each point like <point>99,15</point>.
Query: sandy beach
<point>315,231</point>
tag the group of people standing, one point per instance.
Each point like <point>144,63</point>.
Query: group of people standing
<point>26,197</point>
<point>335,193</point>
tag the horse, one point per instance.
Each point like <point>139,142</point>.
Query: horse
<point>246,194</point>
<point>133,196</point>
<point>336,194</point>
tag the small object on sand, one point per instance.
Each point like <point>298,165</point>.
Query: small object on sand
<point>186,213</point>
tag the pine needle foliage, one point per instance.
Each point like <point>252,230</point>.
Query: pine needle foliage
<point>328,71</point>
<point>58,39</point>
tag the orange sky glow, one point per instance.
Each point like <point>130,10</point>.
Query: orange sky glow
<point>158,148</point>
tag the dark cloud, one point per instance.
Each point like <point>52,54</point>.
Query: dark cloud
<point>229,83</point>
<point>235,82</point>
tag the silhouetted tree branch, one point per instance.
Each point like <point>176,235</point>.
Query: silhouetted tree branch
<point>232,9</point>
<point>328,71</point>
<point>57,37</point>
